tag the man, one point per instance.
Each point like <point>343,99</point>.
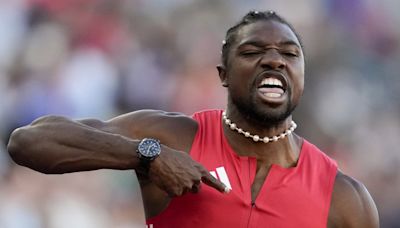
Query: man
<point>271,177</point>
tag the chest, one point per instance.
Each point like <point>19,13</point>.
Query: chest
<point>283,200</point>
<point>276,195</point>
<point>259,179</point>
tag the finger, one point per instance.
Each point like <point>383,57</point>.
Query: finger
<point>172,194</point>
<point>172,191</point>
<point>186,190</point>
<point>190,187</point>
<point>211,181</point>
<point>175,192</point>
<point>196,188</point>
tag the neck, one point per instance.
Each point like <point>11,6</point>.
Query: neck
<point>255,127</point>
<point>283,152</point>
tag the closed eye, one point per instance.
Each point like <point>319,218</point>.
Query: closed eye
<point>250,53</point>
<point>290,54</point>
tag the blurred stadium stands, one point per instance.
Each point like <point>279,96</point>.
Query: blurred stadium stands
<point>87,58</point>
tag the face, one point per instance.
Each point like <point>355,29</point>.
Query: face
<point>264,72</point>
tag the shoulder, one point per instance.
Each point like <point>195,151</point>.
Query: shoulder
<point>172,129</point>
<point>352,205</point>
<point>143,121</point>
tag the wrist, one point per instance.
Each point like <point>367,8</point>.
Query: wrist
<point>147,151</point>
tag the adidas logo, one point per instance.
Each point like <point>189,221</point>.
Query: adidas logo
<point>221,175</point>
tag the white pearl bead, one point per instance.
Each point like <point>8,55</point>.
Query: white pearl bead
<point>257,138</point>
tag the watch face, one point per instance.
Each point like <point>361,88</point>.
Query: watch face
<point>149,148</point>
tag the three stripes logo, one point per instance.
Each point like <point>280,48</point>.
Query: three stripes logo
<point>221,175</point>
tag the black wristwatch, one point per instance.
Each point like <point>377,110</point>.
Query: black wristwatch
<point>148,149</point>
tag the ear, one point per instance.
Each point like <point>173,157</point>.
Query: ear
<point>222,75</point>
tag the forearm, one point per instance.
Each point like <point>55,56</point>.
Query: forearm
<point>59,145</point>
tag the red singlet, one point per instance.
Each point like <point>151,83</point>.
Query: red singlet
<point>290,197</point>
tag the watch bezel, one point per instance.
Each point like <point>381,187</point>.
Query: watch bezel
<point>146,148</point>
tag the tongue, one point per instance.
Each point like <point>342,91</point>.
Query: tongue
<point>271,90</point>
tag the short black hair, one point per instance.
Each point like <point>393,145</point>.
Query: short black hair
<point>252,17</point>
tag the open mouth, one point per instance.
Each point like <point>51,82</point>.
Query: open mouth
<point>272,87</point>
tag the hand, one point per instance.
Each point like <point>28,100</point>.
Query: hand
<point>177,173</point>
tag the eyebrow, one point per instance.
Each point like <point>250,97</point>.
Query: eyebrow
<point>289,43</point>
<point>258,43</point>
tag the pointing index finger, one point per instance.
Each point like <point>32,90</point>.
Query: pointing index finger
<point>211,181</point>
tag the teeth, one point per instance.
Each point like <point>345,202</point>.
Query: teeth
<point>272,94</point>
<point>271,81</point>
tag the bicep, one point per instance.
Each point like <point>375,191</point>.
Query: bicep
<point>352,205</point>
<point>172,129</point>
<point>94,123</point>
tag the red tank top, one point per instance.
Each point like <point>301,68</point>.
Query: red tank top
<point>290,197</point>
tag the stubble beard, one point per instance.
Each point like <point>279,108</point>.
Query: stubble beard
<point>265,117</point>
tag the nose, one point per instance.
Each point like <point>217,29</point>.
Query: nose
<point>273,60</point>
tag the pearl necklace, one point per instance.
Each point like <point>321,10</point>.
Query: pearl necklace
<point>257,138</point>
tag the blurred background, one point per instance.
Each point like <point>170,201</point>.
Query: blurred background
<point>101,58</point>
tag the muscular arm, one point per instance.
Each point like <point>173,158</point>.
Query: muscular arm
<point>352,206</point>
<point>55,144</point>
